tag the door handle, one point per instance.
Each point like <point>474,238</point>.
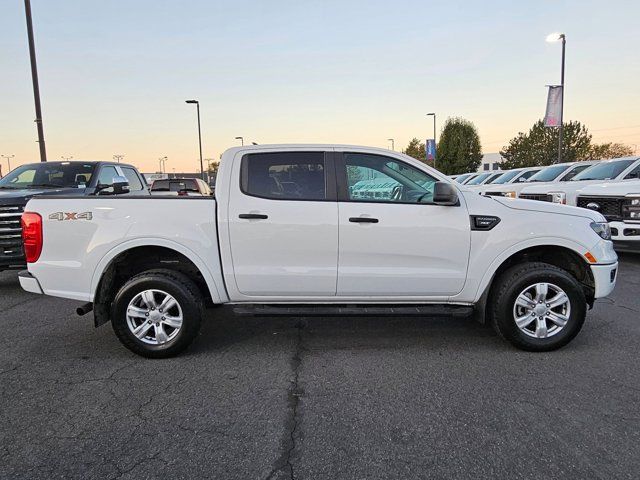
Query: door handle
<point>363,220</point>
<point>253,216</point>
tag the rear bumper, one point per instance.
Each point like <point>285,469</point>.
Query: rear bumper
<point>604,277</point>
<point>29,283</point>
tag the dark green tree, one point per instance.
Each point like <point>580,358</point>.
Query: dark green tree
<point>539,146</point>
<point>601,151</point>
<point>459,149</point>
<point>416,150</point>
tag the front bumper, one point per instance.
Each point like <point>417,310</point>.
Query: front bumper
<point>29,283</point>
<point>604,277</point>
<point>625,236</point>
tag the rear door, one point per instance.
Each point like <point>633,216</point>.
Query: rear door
<point>283,224</point>
<point>394,241</point>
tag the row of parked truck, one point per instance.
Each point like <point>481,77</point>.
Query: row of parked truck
<point>610,187</point>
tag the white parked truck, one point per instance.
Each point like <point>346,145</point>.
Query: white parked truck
<point>427,247</point>
<point>619,202</point>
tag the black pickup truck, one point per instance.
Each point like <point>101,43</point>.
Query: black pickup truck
<point>56,178</point>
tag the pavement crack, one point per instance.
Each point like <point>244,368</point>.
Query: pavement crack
<point>295,392</point>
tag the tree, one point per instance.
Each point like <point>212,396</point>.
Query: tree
<point>416,150</point>
<point>601,151</point>
<point>539,146</point>
<point>459,149</point>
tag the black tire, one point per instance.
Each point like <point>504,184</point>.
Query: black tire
<point>175,284</point>
<point>512,282</point>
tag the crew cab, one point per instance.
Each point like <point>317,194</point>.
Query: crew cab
<point>332,245</point>
<point>561,172</point>
<point>619,202</point>
<point>54,179</point>
<point>615,170</point>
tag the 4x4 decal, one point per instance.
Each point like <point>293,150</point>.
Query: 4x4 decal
<point>61,216</point>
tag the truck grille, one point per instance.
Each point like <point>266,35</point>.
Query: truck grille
<point>10,235</point>
<point>541,197</point>
<point>610,207</point>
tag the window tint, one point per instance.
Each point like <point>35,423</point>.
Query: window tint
<point>284,175</point>
<point>506,177</point>
<point>49,174</point>
<point>479,179</point>
<point>106,175</point>
<point>635,173</point>
<point>132,177</point>
<point>382,179</point>
<point>527,175</point>
<point>548,174</point>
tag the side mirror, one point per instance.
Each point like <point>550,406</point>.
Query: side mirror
<point>119,185</point>
<point>445,194</point>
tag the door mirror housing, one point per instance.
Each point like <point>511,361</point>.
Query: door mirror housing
<point>444,193</point>
<point>120,185</point>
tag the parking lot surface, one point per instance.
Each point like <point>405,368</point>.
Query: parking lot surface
<point>318,398</point>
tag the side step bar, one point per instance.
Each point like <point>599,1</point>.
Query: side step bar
<point>305,310</point>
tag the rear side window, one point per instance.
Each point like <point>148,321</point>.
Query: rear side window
<point>284,175</point>
<point>132,177</point>
<point>635,173</point>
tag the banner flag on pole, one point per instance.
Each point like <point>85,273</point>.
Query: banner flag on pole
<point>554,106</point>
<point>430,149</point>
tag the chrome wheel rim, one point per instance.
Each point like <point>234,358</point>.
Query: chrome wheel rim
<point>154,317</point>
<point>542,310</point>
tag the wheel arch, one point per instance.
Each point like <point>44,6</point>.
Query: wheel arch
<point>131,258</point>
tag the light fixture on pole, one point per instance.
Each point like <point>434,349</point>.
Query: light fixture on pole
<point>8,159</point>
<point>241,140</point>
<point>393,145</point>
<point>118,157</point>
<point>199,135</point>
<point>551,38</point>
<point>66,159</point>
<point>163,166</point>
<point>435,148</point>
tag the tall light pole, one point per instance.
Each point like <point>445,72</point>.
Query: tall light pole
<point>393,145</point>
<point>554,37</point>
<point>66,159</point>
<point>241,140</point>
<point>118,157</point>
<point>199,136</point>
<point>8,159</point>
<point>163,166</point>
<point>34,79</point>
<point>435,148</point>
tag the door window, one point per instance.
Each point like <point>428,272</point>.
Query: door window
<point>285,175</point>
<point>376,178</point>
<point>635,173</point>
<point>132,177</point>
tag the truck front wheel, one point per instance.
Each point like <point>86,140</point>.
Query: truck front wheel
<point>157,313</point>
<point>537,307</point>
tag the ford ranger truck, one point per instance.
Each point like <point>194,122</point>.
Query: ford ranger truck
<point>616,170</point>
<point>320,230</point>
<point>54,179</point>
<point>619,202</point>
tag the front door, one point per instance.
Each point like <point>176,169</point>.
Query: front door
<point>394,241</point>
<point>283,225</point>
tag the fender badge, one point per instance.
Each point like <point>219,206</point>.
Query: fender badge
<point>62,216</point>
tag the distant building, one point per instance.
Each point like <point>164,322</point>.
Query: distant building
<point>490,161</point>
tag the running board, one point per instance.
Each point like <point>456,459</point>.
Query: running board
<point>305,310</point>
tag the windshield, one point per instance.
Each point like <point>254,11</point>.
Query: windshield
<point>49,175</point>
<point>479,179</point>
<point>506,177</point>
<point>603,170</point>
<point>549,174</point>
<point>462,178</point>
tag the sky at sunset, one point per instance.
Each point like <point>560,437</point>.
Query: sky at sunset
<point>114,74</point>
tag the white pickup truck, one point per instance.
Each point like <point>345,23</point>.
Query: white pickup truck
<point>289,234</point>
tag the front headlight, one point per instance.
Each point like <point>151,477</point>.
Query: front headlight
<point>510,194</point>
<point>558,197</point>
<point>631,209</point>
<point>602,229</point>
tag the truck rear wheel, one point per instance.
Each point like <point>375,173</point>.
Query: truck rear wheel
<point>157,313</point>
<point>537,307</point>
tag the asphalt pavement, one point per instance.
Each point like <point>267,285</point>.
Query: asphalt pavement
<point>334,398</point>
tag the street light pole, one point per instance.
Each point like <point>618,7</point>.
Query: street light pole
<point>8,159</point>
<point>199,136</point>
<point>393,145</point>
<point>66,159</point>
<point>118,157</point>
<point>163,166</point>
<point>241,140</point>
<point>34,78</point>
<point>554,37</point>
<point>435,148</point>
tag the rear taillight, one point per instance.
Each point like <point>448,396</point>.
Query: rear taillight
<point>32,236</point>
